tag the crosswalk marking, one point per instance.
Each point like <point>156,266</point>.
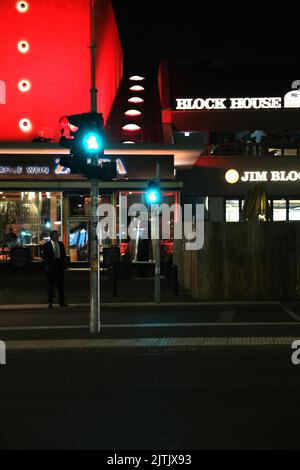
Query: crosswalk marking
<point>148,343</point>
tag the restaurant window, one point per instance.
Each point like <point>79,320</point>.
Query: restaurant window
<point>290,152</point>
<point>26,219</point>
<point>232,210</point>
<point>294,209</point>
<point>79,241</point>
<point>78,225</point>
<point>80,204</point>
<point>137,246</point>
<point>279,210</point>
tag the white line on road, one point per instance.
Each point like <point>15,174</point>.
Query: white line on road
<point>290,312</point>
<point>147,325</point>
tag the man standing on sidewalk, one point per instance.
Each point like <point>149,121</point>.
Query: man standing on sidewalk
<point>55,258</point>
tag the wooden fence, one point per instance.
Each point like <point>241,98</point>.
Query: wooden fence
<point>243,261</point>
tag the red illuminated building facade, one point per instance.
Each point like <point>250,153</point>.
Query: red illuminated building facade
<point>45,70</point>
<point>45,75</point>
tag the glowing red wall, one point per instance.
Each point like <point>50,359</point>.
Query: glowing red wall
<point>109,56</point>
<point>57,64</point>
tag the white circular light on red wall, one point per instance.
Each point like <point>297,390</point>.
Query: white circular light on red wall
<point>136,100</point>
<point>136,78</point>
<point>25,125</point>
<point>137,88</point>
<point>24,85</point>
<point>23,46</point>
<point>133,113</point>
<point>131,127</point>
<point>22,7</point>
<point>128,142</point>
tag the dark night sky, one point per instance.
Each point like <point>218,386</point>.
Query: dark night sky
<point>242,34</point>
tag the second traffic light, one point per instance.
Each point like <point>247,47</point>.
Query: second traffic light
<point>153,193</point>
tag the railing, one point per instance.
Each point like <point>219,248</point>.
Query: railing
<point>239,149</point>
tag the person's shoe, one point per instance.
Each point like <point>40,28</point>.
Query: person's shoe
<point>50,305</point>
<point>63,305</point>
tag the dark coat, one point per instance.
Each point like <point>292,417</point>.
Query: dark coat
<point>51,263</point>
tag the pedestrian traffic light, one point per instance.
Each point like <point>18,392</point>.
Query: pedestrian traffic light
<point>153,193</point>
<point>83,134</point>
<point>92,143</point>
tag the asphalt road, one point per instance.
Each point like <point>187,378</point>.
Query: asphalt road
<point>205,398</point>
<point>217,399</point>
<point>145,321</point>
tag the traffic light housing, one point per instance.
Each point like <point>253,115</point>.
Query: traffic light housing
<point>153,193</point>
<point>83,134</point>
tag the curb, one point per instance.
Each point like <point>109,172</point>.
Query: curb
<point>22,307</point>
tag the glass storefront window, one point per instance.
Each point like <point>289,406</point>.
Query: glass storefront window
<point>294,209</point>
<point>137,246</point>
<point>279,210</point>
<point>78,225</point>
<point>290,152</point>
<point>79,205</point>
<point>26,218</point>
<point>232,210</point>
<point>79,241</point>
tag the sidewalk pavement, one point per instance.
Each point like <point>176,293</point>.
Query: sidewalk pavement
<point>125,305</point>
<point>21,288</point>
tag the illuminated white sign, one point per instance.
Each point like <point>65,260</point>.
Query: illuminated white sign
<point>38,170</point>
<point>233,176</point>
<point>290,100</point>
<point>234,103</point>
<point>61,170</point>
<point>11,170</point>
<point>18,170</point>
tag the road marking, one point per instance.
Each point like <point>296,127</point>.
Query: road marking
<point>226,316</point>
<point>146,325</point>
<point>290,312</point>
<point>147,343</point>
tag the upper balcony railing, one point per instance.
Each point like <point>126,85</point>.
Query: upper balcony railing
<point>249,149</point>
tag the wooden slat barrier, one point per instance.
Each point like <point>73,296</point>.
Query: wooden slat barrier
<point>243,261</point>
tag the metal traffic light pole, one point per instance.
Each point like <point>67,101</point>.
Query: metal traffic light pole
<point>157,244</point>
<point>94,243</point>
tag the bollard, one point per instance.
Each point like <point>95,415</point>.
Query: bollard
<point>175,279</point>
